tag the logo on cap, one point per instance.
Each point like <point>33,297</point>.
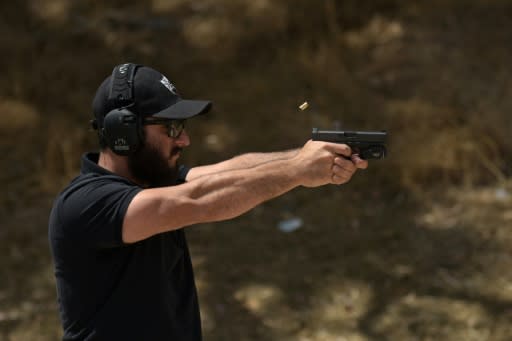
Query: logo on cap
<point>169,85</point>
<point>123,68</point>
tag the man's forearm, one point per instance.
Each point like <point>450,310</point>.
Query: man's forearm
<point>243,161</point>
<point>227,194</point>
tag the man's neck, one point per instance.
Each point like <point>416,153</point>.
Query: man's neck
<point>115,164</point>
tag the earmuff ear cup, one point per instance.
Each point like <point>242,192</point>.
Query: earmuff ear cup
<point>122,131</point>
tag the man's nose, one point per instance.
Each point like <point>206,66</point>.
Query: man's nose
<point>183,140</point>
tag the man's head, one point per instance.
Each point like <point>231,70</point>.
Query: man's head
<point>140,115</point>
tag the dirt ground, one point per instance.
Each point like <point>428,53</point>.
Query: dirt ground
<point>417,247</point>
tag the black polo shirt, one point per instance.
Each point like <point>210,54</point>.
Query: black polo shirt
<point>108,290</point>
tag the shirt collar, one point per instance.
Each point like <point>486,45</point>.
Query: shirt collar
<point>90,164</point>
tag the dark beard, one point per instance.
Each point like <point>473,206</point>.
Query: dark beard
<point>150,169</point>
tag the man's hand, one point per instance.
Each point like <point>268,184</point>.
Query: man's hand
<point>320,163</point>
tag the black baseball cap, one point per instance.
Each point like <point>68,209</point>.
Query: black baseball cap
<point>151,94</point>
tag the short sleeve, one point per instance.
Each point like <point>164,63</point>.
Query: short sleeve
<point>93,213</point>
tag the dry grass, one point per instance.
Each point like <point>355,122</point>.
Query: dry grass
<point>415,248</point>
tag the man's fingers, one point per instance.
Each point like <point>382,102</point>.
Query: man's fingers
<point>344,168</point>
<point>360,163</point>
<point>342,174</point>
<point>338,180</point>
<point>339,149</point>
<point>331,162</point>
<point>342,171</point>
<point>355,159</point>
<point>346,163</point>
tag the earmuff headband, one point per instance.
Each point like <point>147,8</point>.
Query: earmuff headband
<point>121,86</point>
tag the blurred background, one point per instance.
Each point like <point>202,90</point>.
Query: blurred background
<point>417,247</point>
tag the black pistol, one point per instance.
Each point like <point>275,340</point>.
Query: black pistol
<point>368,144</point>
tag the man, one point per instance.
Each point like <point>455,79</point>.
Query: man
<point>122,264</point>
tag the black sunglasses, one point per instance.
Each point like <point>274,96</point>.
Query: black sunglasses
<point>174,127</point>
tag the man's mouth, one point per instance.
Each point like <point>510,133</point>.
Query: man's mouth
<point>176,152</point>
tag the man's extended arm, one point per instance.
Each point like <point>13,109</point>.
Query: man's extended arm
<point>248,160</point>
<point>227,194</point>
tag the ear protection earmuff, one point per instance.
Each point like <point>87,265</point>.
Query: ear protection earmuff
<point>122,129</point>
